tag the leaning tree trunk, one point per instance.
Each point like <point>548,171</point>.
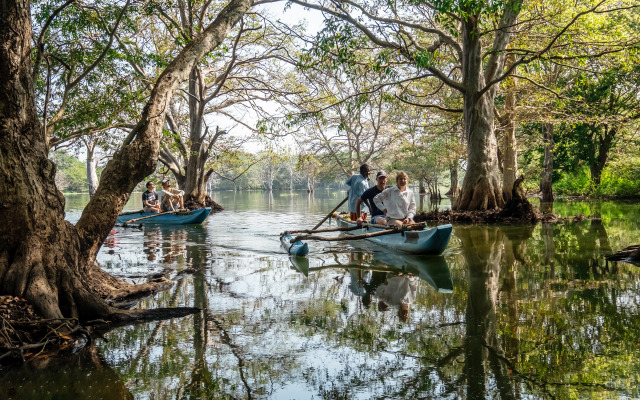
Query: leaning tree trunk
<point>44,258</point>
<point>547,169</point>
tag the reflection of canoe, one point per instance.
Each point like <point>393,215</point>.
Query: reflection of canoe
<point>428,241</point>
<point>182,218</point>
<point>295,249</point>
<point>432,269</point>
<point>301,264</point>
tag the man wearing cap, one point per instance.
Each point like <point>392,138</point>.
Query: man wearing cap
<point>377,216</point>
<point>172,199</point>
<point>358,183</point>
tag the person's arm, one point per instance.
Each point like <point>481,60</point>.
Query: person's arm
<point>412,206</point>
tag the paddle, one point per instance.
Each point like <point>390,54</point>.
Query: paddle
<point>149,216</point>
<point>331,212</point>
<point>353,228</point>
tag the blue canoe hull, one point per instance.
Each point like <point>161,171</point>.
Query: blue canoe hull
<point>297,249</point>
<point>432,269</point>
<point>194,217</point>
<point>431,241</point>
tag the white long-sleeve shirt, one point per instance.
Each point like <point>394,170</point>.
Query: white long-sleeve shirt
<point>399,205</point>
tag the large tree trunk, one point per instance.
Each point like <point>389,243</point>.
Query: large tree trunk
<point>310,184</point>
<point>454,187</point>
<point>509,152</point>
<point>605,142</point>
<point>547,169</point>
<point>481,185</point>
<point>44,258</point>
<point>195,186</point>
<point>92,174</point>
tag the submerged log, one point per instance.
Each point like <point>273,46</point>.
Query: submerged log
<point>629,255</point>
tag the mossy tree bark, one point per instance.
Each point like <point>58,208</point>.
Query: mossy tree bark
<point>44,258</point>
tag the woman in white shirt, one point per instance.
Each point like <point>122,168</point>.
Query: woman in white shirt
<point>398,202</point>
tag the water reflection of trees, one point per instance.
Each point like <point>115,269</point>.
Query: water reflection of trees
<point>535,313</point>
<point>83,375</point>
<point>533,323</point>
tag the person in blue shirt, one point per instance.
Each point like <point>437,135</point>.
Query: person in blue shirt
<point>358,183</point>
<point>377,215</point>
<point>150,199</point>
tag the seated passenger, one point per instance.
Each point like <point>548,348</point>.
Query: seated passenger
<point>172,199</point>
<point>150,199</point>
<point>377,216</point>
<point>397,203</point>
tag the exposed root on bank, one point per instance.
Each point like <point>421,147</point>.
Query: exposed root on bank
<point>193,204</point>
<point>517,210</point>
<point>493,216</point>
<point>24,336</point>
<point>114,290</point>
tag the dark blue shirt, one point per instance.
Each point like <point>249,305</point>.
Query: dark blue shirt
<point>151,197</point>
<point>367,198</point>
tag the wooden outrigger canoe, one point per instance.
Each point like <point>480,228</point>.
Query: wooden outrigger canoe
<point>178,218</point>
<point>427,241</point>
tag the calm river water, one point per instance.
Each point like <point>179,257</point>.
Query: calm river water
<point>507,311</point>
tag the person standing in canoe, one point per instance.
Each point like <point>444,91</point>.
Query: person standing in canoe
<point>358,183</point>
<point>398,202</point>
<point>377,216</point>
<point>150,199</point>
<point>172,199</point>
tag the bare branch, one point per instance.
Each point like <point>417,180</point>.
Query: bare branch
<point>451,110</point>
